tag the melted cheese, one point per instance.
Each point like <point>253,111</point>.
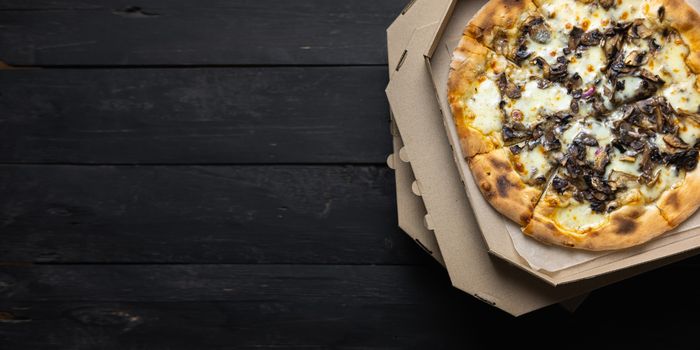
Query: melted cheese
<point>689,132</point>
<point>589,65</point>
<point>578,216</point>
<point>667,178</point>
<point>565,14</point>
<point>549,51</point>
<point>499,64</point>
<point>617,164</point>
<point>683,95</point>
<point>484,106</point>
<point>535,101</point>
<point>669,61</point>
<point>632,84</point>
<point>534,163</point>
<point>661,144</point>
<point>592,127</point>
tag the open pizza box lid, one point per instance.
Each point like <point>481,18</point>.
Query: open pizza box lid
<point>499,240</point>
<point>472,269</point>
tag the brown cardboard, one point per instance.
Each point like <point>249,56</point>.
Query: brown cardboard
<point>498,241</point>
<point>470,267</point>
<point>410,208</point>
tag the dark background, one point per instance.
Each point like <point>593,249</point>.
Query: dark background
<point>207,174</point>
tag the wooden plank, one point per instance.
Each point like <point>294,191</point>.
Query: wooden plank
<point>212,214</point>
<point>205,306</point>
<point>222,115</point>
<point>273,306</point>
<point>187,33</point>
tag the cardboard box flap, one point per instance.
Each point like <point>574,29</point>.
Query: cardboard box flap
<point>410,208</point>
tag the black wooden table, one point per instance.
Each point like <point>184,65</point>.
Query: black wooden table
<point>200,174</point>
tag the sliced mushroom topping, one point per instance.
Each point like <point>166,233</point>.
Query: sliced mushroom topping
<point>574,38</point>
<point>639,31</point>
<point>591,38</point>
<point>599,185</point>
<point>555,72</point>
<point>606,4</point>
<point>653,45</point>
<point>687,159</point>
<point>508,88</point>
<point>515,149</point>
<point>636,58</point>
<point>692,116</point>
<point>612,45</point>
<point>586,139</point>
<point>619,180</point>
<point>646,166</point>
<point>543,83</point>
<point>522,53</point>
<point>646,74</point>
<point>574,106</point>
<point>515,132</point>
<point>601,160</point>
<point>559,184</point>
<point>538,30</point>
<point>675,141</point>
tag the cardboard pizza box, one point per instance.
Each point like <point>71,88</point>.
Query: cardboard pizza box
<point>409,205</point>
<point>411,210</point>
<point>499,242</point>
<point>470,266</point>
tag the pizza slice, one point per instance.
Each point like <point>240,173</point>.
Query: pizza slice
<point>512,179</point>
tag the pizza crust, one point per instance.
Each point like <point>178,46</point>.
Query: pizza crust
<point>498,19</point>
<point>678,203</point>
<point>503,187</point>
<point>628,226</point>
<point>686,20</point>
<point>469,63</point>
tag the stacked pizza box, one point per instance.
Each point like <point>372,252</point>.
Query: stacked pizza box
<point>440,207</point>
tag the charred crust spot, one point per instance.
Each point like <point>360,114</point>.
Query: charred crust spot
<point>525,217</point>
<point>673,200</point>
<point>625,226</point>
<point>550,226</point>
<point>503,185</point>
<point>499,164</point>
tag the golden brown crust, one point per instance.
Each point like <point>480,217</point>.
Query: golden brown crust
<point>503,187</point>
<point>498,19</point>
<point>686,20</point>
<point>677,204</point>
<point>631,225</point>
<point>469,64</point>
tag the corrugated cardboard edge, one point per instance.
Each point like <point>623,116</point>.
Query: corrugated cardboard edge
<point>501,245</point>
<point>410,208</point>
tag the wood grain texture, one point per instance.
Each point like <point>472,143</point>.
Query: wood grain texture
<point>293,306</point>
<point>212,214</point>
<point>249,32</point>
<point>233,115</point>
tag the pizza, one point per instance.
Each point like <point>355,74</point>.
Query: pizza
<point>580,119</point>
